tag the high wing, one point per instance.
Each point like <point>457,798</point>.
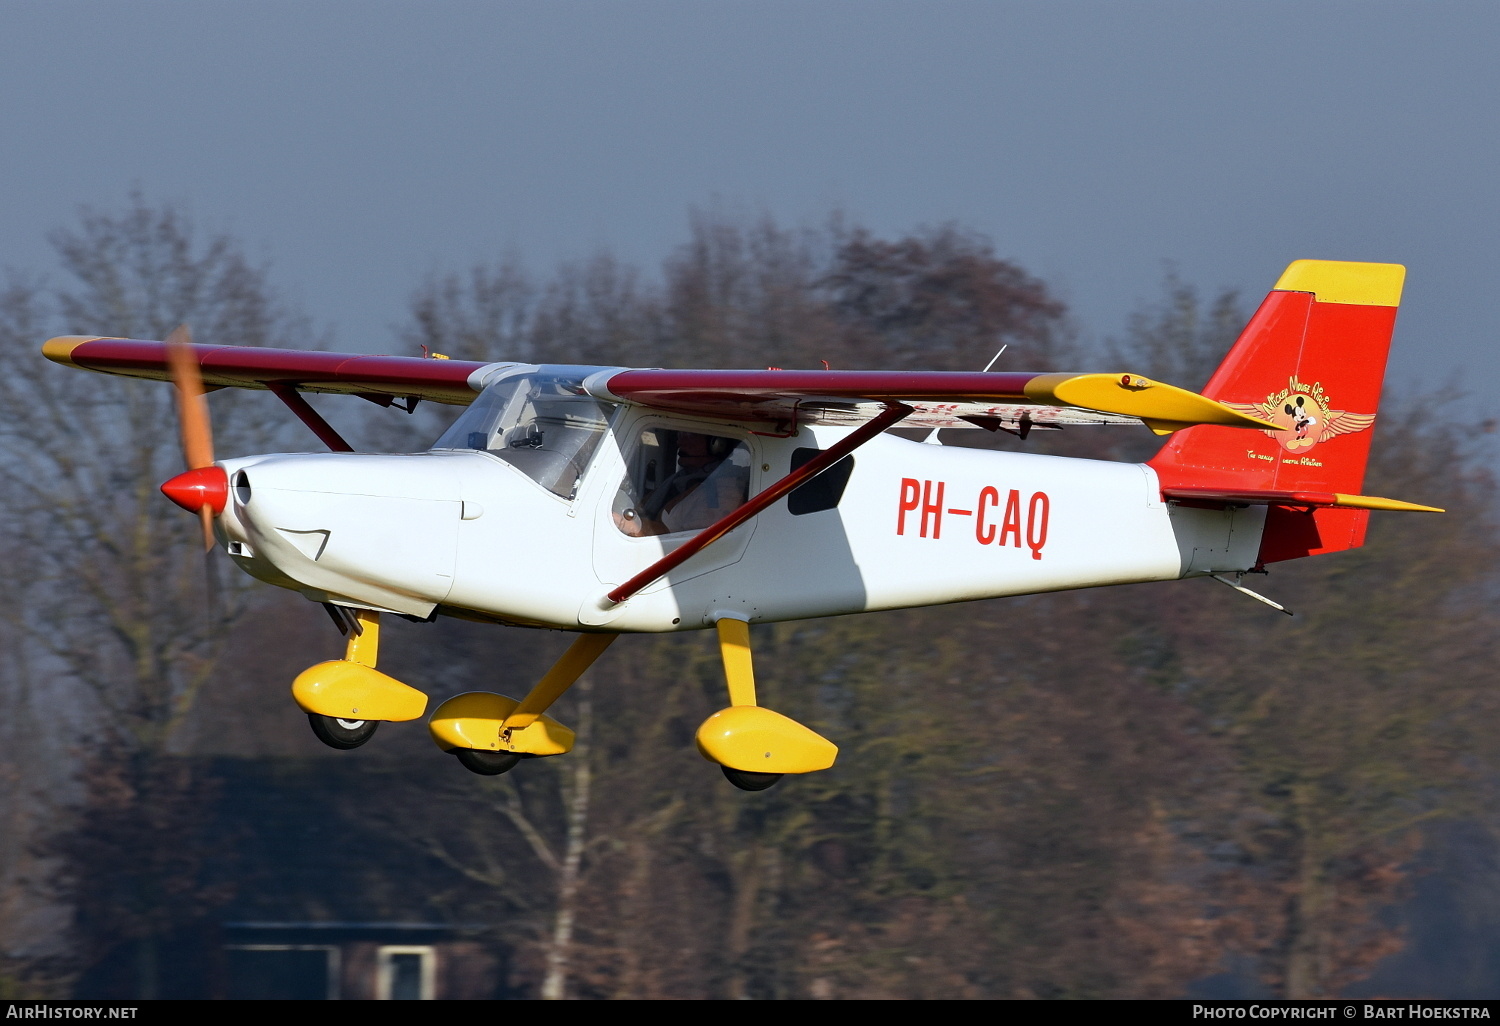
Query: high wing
<point>381,379</point>
<point>1010,400</point>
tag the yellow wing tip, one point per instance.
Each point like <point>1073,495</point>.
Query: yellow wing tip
<point>1164,408</point>
<point>1343,281</point>
<point>60,349</point>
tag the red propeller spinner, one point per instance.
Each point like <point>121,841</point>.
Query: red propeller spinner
<point>195,489</point>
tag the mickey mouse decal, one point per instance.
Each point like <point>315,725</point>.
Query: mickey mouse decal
<point>1300,417</point>
<point>1303,413</point>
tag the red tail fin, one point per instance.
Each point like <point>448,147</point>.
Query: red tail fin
<point>1311,359</point>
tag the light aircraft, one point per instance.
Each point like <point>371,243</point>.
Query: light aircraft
<point>611,500</point>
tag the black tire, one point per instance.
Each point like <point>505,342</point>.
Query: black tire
<point>488,764</point>
<point>747,781</point>
<point>342,734</point>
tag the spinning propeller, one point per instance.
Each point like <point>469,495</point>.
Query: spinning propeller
<point>204,488</point>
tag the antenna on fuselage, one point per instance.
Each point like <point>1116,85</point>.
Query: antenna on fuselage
<point>1257,596</point>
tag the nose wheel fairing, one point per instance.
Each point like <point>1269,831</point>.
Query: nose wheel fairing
<point>476,721</point>
<point>343,689</point>
<point>351,688</point>
<point>347,699</point>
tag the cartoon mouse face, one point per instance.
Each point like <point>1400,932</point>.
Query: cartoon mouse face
<point>1301,418</point>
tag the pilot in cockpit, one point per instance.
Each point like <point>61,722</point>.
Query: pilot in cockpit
<point>707,484</point>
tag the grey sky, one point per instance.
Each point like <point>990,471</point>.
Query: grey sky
<point>359,146</point>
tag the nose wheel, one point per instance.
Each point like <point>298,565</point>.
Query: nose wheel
<point>347,699</point>
<point>747,781</point>
<point>486,764</point>
<point>340,733</point>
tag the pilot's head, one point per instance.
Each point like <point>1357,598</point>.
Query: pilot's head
<point>698,452</point>
<point>695,451</point>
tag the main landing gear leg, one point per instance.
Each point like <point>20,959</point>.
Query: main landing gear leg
<point>346,699</point>
<point>754,746</point>
<point>490,733</point>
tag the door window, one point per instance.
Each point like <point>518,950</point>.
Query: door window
<point>822,492</point>
<point>677,480</point>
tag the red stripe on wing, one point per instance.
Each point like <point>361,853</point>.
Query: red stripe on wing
<point>443,381</point>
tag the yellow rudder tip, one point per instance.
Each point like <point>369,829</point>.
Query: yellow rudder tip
<point>1343,281</point>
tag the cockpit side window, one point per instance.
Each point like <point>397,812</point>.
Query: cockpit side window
<point>680,481</point>
<point>539,420</point>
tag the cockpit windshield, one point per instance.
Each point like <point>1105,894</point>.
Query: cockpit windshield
<point>539,420</point>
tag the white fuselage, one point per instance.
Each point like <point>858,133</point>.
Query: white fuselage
<point>916,525</point>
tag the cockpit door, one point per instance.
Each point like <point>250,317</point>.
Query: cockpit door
<point>667,480</point>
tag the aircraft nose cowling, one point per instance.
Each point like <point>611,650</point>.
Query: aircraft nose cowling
<point>206,486</point>
<point>377,529</point>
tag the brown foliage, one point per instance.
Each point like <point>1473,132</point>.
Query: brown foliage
<point>940,300</point>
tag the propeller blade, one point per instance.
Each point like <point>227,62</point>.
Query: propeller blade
<point>206,518</point>
<point>213,589</point>
<point>192,410</point>
<point>192,418</point>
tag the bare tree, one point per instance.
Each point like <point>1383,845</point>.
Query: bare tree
<point>482,315</point>
<point>1350,725</point>
<point>109,613</point>
<point>116,597</point>
<point>1181,338</point>
<point>937,300</point>
<point>740,293</point>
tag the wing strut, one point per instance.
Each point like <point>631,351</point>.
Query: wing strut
<point>287,393</point>
<point>760,501</point>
